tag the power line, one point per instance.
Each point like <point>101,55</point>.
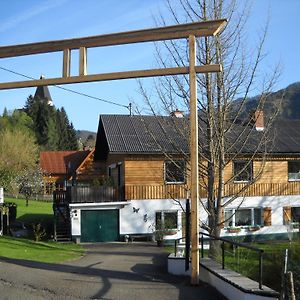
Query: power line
<point>71,91</point>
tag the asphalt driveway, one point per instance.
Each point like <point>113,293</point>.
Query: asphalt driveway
<point>107,271</point>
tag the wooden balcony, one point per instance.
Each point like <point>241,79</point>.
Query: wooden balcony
<point>170,191</point>
<point>86,194</point>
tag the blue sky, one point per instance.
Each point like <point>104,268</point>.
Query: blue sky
<point>33,21</point>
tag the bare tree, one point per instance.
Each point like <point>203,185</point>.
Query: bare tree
<point>226,130</point>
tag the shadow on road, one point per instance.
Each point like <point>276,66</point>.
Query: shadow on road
<point>154,272</point>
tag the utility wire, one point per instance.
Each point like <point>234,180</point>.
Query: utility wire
<point>71,91</point>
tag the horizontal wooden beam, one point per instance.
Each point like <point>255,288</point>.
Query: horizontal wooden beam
<point>207,28</point>
<point>109,76</point>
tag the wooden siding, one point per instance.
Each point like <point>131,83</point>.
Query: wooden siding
<point>274,171</point>
<point>168,191</point>
<point>144,172</point>
<point>177,191</point>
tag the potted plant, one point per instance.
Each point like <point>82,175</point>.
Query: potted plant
<point>253,228</point>
<point>233,229</point>
<point>161,230</point>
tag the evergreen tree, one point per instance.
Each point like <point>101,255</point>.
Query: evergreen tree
<point>5,112</point>
<point>62,124</point>
<point>52,134</point>
<point>72,138</point>
<point>31,107</point>
<point>41,122</point>
<point>52,127</point>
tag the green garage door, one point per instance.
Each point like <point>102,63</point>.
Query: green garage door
<point>99,225</point>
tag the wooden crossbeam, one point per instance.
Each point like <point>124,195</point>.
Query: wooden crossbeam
<point>109,76</point>
<point>207,28</point>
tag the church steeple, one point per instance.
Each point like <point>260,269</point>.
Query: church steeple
<point>42,93</point>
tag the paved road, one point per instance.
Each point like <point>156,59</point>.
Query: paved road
<point>108,271</point>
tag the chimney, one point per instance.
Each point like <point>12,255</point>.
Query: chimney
<point>258,120</point>
<point>177,114</point>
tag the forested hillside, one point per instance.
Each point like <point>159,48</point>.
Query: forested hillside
<point>286,101</point>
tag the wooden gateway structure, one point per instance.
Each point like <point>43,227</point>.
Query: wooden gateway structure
<point>185,31</point>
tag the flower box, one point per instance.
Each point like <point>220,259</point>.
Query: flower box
<point>253,228</point>
<point>234,230</point>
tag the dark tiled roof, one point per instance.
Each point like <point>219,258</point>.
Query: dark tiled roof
<point>55,162</point>
<point>287,136</point>
<point>143,134</point>
<point>152,134</point>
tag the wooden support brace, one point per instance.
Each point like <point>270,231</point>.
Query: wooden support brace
<point>82,61</point>
<point>66,63</point>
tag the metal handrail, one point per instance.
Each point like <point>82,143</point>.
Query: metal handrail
<point>237,244</point>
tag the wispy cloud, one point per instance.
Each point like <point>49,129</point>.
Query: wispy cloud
<point>28,14</point>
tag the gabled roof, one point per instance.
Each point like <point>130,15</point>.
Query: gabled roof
<point>165,134</point>
<point>57,162</point>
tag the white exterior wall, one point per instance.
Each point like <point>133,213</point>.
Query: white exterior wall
<point>143,221</point>
<point>275,202</point>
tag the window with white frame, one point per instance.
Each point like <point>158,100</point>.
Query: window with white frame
<point>174,171</point>
<point>166,219</point>
<point>294,170</point>
<point>243,217</point>
<point>242,170</point>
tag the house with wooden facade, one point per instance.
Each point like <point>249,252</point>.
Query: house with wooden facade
<point>62,168</point>
<point>145,161</point>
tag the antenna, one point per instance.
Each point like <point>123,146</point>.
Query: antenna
<point>130,108</point>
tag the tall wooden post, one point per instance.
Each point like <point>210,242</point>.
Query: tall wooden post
<point>194,161</point>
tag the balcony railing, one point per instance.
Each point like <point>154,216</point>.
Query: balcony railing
<point>178,191</point>
<point>169,191</point>
<point>96,194</point>
<point>87,194</point>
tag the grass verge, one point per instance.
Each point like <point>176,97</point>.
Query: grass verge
<point>45,251</point>
<point>48,252</point>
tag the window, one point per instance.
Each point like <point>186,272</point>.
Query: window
<point>294,170</point>
<point>295,214</point>
<point>242,171</point>
<point>243,217</point>
<point>166,220</point>
<point>175,171</point>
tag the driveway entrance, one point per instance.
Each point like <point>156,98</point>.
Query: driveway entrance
<point>108,271</point>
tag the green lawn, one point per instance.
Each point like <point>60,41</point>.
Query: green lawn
<point>36,211</point>
<point>28,249</point>
<point>49,252</point>
<point>246,262</point>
